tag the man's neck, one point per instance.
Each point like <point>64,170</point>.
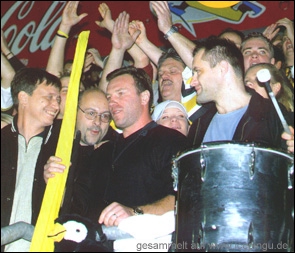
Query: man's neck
<point>27,129</point>
<point>135,127</point>
<point>233,102</point>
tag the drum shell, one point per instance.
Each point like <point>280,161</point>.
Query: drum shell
<point>225,207</point>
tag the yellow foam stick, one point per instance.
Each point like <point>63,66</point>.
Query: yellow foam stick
<point>55,187</point>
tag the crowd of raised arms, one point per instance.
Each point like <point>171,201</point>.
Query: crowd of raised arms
<point>135,114</point>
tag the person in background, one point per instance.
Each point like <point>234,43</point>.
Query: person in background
<point>65,81</point>
<point>281,33</point>
<point>256,48</point>
<point>29,141</point>
<point>233,35</point>
<point>172,114</point>
<point>279,84</point>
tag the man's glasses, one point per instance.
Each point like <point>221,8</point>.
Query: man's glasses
<point>91,115</point>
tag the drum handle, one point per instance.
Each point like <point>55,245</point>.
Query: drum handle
<point>290,172</point>
<point>203,164</point>
<point>252,163</point>
<point>174,174</point>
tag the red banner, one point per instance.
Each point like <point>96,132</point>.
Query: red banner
<point>30,26</point>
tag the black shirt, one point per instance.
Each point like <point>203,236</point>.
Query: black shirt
<point>136,170</point>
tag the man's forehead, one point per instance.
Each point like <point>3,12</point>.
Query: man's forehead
<point>199,55</point>
<point>256,42</point>
<point>171,62</point>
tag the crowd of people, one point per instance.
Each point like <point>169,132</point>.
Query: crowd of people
<point>135,114</point>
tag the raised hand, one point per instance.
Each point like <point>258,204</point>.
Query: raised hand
<point>70,16</point>
<point>121,39</point>
<point>96,57</point>
<point>164,15</point>
<point>271,31</point>
<point>106,14</point>
<point>135,26</point>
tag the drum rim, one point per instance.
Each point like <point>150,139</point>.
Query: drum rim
<point>219,144</point>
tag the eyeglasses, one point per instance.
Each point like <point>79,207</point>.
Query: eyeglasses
<point>91,115</point>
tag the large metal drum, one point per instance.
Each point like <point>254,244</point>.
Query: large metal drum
<point>234,197</point>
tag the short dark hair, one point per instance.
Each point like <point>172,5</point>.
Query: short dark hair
<point>171,53</point>
<point>218,49</point>
<point>27,80</point>
<point>141,78</point>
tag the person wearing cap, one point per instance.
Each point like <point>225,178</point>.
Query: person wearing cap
<point>172,114</point>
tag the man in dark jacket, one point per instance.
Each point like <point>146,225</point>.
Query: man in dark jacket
<point>232,113</point>
<point>26,145</point>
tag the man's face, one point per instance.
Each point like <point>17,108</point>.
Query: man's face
<point>170,79</point>
<point>124,101</point>
<point>43,105</point>
<point>205,79</point>
<point>92,131</point>
<point>254,51</point>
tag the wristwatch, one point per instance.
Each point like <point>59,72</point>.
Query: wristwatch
<point>172,30</point>
<point>137,211</point>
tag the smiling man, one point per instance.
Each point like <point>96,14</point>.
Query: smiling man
<point>233,114</point>
<point>26,144</point>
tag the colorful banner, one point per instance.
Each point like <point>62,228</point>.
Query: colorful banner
<point>30,26</point>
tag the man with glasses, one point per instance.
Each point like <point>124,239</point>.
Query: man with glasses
<point>93,118</point>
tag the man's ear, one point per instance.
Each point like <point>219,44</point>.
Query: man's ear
<point>145,97</point>
<point>224,67</point>
<point>22,98</point>
<point>250,85</point>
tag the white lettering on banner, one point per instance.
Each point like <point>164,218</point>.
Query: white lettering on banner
<point>30,32</point>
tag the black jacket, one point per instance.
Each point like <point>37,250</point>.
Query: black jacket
<point>9,157</point>
<point>259,124</point>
